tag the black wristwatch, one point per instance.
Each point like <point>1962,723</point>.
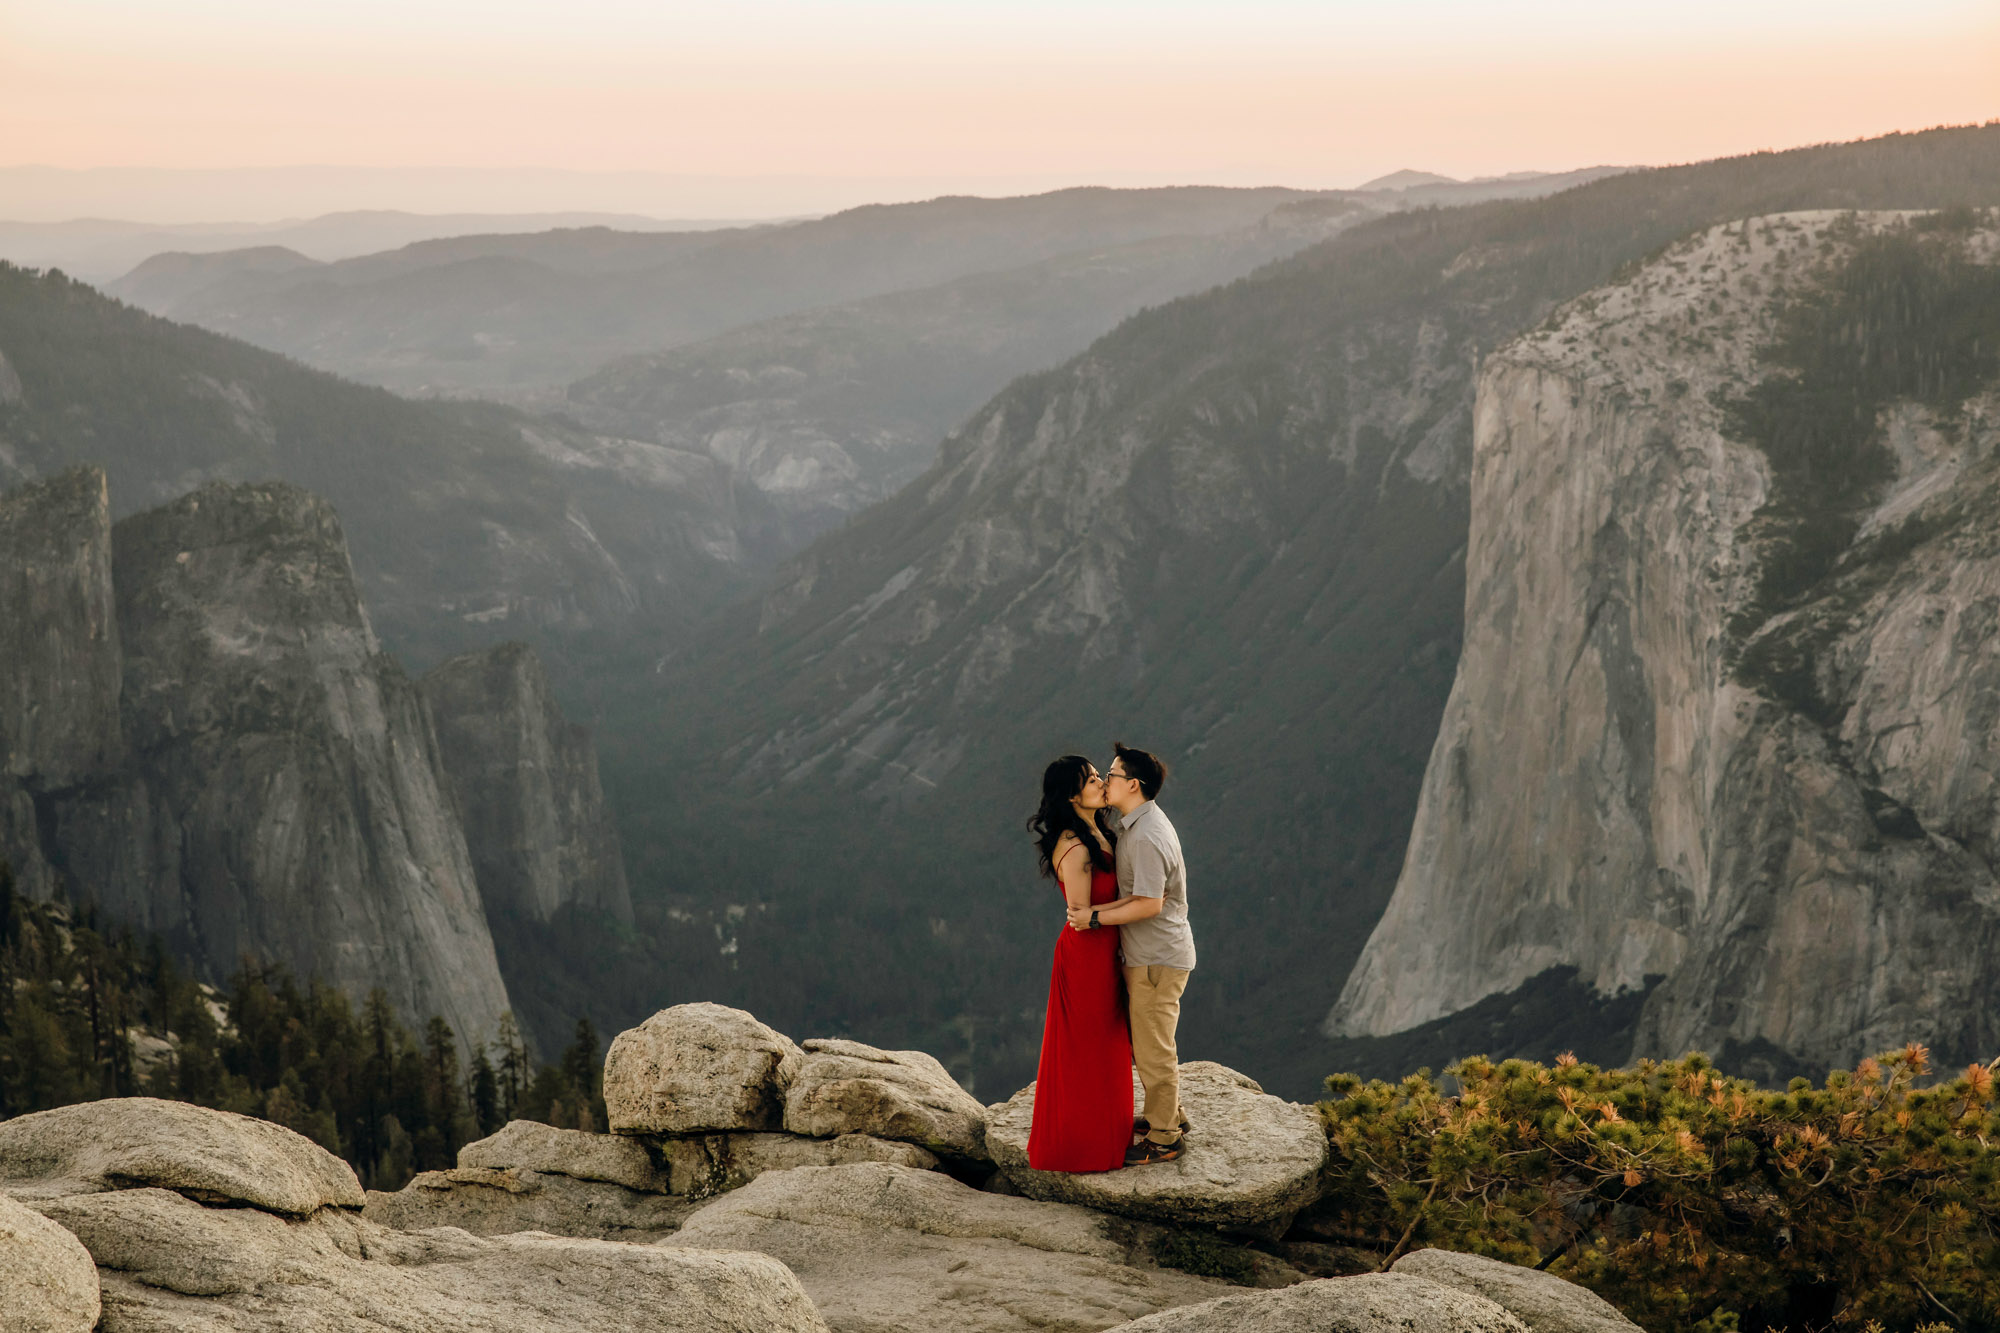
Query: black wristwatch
<point>1093,918</point>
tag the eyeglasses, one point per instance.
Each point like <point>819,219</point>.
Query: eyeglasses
<point>1114,773</point>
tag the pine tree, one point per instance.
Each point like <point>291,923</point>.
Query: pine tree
<point>582,1072</point>
<point>485,1093</point>
<point>515,1069</point>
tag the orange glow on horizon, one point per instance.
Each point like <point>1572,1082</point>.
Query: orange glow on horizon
<point>1325,112</point>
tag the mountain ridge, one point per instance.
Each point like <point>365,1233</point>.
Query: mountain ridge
<point>469,523</point>
<point>514,323</point>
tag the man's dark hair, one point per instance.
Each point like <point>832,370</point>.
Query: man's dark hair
<point>1149,771</point>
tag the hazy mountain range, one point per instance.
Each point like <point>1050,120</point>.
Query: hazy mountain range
<point>829,410</point>
<point>100,250</point>
<point>514,316</point>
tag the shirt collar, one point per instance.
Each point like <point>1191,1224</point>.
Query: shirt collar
<point>1135,816</point>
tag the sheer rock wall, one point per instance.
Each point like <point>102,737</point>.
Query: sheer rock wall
<point>59,670</point>
<point>1611,790</point>
<point>527,787</point>
<point>200,733</point>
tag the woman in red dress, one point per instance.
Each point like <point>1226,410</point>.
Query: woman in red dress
<point>1083,1089</point>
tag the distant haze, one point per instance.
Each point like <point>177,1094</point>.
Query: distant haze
<point>763,108</point>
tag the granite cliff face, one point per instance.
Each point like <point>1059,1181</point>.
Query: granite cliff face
<point>281,796</point>
<point>203,736</point>
<point>1727,720</point>
<point>59,671</point>
<point>527,788</point>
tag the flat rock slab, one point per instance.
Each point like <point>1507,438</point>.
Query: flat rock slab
<point>884,1248</point>
<point>1369,1304</point>
<point>709,1164</point>
<point>48,1283</point>
<point>697,1068</point>
<point>169,1265</point>
<point>528,1145</point>
<point>214,1156</point>
<point>487,1202</point>
<point>846,1087</point>
<point>1542,1301</point>
<point>1251,1161</point>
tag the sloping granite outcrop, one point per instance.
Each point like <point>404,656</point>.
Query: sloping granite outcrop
<point>704,1069</point>
<point>47,1281</point>
<point>1540,1300</point>
<point>849,1087</point>
<point>278,794</point>
<point>1427,1291</point>
<point>532,1177</point>
<point>59,669</point>
<point>1340,1305</point>
<point>698,1068</point>
<point>1718,735</point>
<point>493,1201</point>
<point>1251,1162</point>
<point>527,788</point>
<point>611,1159</point>
<point>175,1220</point>
<point>883,1247</point>
<point>696,1096</point>
<point>212,1156</point>
<point>196,1219</point>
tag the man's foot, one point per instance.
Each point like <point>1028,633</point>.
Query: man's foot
<point>1146,1152</point>
<point>1141,1128</point>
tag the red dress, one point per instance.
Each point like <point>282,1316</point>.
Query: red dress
<point>1083,1090</point>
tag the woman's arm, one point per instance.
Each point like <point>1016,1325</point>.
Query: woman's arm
<point>1073,870</point>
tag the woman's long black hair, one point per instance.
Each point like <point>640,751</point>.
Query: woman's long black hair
<point>1061,781</point>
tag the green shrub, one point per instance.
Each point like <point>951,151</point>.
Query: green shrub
<point>1688,1198</point>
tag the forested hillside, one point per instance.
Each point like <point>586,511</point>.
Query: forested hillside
<point>468,524</point>
<point>827,411</point>
<point>89,1009</point>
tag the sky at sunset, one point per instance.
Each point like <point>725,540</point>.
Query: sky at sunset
<point>755,107</point>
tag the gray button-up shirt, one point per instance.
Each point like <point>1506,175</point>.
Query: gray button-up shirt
<point>1150,866</point>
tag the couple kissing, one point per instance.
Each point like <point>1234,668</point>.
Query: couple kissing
<point>1121,964</point>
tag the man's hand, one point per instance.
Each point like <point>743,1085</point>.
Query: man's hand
<point>1079,917</point>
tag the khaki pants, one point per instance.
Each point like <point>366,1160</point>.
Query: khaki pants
<point>1155,997</point>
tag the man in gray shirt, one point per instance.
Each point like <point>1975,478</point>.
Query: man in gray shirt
<point>1158,947</point>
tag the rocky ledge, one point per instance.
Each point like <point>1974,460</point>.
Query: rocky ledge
<point>1252,1162</point>
<point>753,1183</point>
<point>198,1219</point>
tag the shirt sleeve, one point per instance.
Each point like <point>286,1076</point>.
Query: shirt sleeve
<point>1149,869</point>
